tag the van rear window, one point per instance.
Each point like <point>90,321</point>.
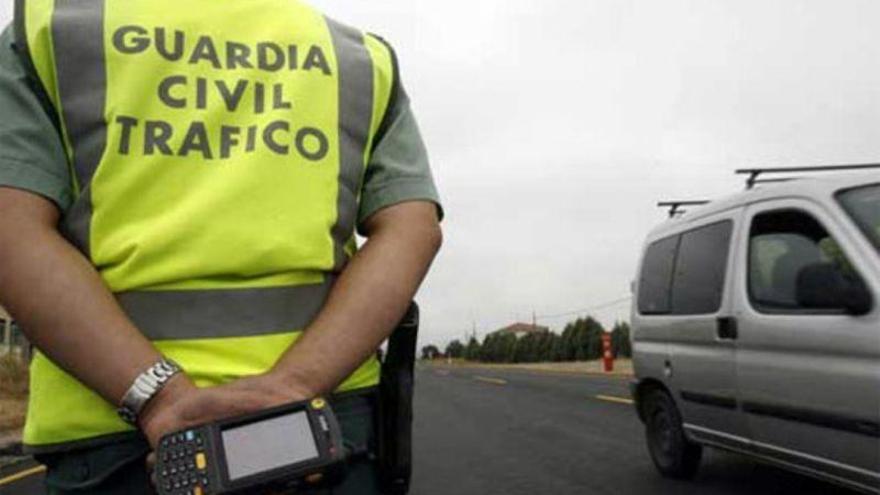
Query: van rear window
<point>655,281</point>
<point>685,274</point>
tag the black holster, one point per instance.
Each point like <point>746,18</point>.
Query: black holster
<point>396,406</point>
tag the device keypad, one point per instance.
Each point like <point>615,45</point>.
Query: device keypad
<point>183,465</point>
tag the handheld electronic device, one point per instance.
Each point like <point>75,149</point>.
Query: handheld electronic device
<point>278,449</point>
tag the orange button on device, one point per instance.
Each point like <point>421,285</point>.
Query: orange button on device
<point>201,462</point>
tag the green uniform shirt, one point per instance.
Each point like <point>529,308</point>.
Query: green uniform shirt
<point>32,155</point>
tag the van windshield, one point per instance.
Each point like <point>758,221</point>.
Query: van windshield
<point>864,206</point>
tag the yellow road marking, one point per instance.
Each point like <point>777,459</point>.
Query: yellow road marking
<point>616,400</point>
<point>494,381</point>
<point>22,475</point>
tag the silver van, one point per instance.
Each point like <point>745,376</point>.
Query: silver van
<point>756,329</point>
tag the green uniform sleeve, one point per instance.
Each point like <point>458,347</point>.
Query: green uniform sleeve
<point>32,155</point>
<point>398,170</point>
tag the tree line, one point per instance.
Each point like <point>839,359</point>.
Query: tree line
<point>581,340</point>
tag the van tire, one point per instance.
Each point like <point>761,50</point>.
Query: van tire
<point>673,454</point>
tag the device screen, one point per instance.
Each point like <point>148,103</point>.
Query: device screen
<point>266,445</point>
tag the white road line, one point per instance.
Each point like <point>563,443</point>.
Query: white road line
<point>616,400</point>
<point>494,381</point>
<point>22,475</point>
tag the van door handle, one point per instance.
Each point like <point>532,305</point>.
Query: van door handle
<point>728,328</point>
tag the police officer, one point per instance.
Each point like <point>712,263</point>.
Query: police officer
<point>180,187</point>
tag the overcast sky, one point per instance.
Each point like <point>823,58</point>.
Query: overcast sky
<point>555,126</point>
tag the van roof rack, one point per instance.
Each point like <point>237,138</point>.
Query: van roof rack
<point>756,173</point>
<point>675,207</point>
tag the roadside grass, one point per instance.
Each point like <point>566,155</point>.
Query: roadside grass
<point>622,367</point>
<point>12,413</point>
<point>13,392</point>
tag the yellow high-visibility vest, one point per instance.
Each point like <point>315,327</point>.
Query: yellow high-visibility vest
<point>217,151</point>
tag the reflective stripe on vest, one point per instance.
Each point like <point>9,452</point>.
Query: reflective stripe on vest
<point>188,314</point>
<point>217,152</point>
<point>78,39</point>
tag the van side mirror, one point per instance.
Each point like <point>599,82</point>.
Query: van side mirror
<point>824,286</point>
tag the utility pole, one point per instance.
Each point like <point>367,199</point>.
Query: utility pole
<point>7,330</point>
<point>7,335</point>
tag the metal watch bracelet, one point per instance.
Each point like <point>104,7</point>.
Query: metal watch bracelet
<point>145,387</point>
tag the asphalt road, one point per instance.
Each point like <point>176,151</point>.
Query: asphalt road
<point>516,433</point>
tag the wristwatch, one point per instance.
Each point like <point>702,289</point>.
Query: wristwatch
<point>145,387</point>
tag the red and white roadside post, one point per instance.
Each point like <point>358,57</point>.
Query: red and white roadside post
<point>607,356</point>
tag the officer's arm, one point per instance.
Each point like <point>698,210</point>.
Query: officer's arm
<point>63,306</point>
<point>368,300</point>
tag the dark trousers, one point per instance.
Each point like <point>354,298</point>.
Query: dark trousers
<point>120,469</point>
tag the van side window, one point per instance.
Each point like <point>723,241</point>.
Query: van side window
<point>700,270</point>
<point>655,281</point>
<point>781,245</point>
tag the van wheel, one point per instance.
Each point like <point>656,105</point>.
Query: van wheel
<point>673,454</point>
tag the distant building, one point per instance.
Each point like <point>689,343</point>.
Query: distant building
<point>522,329</point>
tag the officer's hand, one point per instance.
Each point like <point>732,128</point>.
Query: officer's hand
<point>181,405</point>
